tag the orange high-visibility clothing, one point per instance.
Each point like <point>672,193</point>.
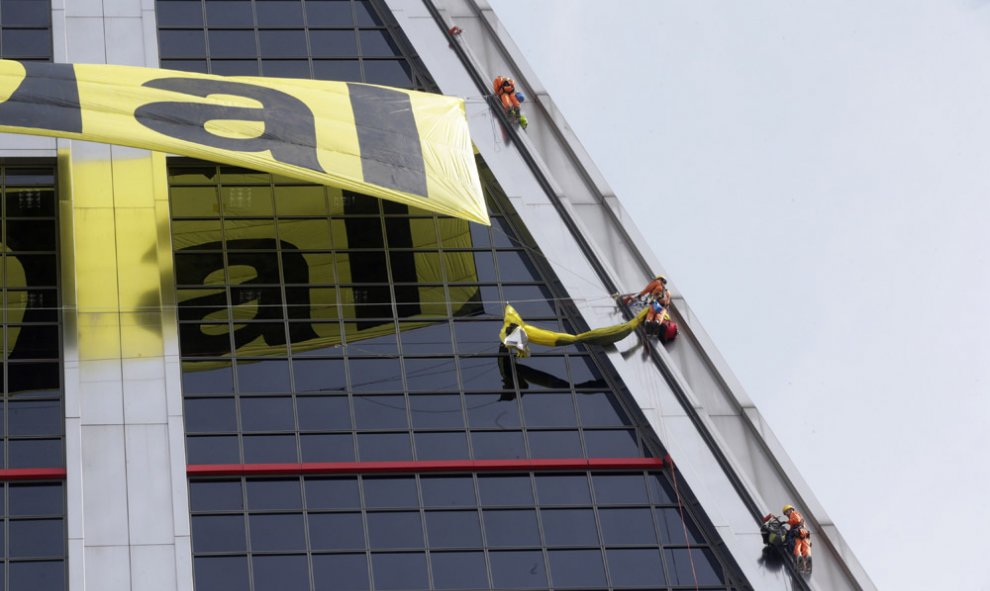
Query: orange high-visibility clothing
<point>802,537</point>
<point>505,89</point>
<point>657,292</point>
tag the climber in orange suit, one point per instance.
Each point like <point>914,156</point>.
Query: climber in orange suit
<point>505,90</point>
<point>800,535</point>
<point>656,296</point>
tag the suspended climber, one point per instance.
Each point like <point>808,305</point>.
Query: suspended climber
<point>505,89</point>
<point>656,298</point>
<point>799,538</point>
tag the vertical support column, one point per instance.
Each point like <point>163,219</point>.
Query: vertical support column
<point>127,503</point>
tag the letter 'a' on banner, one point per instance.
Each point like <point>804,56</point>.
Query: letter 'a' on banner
<point>401,145</point>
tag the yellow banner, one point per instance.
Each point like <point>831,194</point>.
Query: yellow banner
<point>516,334</point>
<point>405,146</point>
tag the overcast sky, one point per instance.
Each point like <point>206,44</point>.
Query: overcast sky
<point>815,179</point>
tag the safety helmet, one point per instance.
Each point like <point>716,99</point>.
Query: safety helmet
<point>661,278</point>
<point>668,330</point>
<point>520,97</point>
<point>787,508</point>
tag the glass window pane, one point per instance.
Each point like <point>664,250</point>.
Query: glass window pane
<point>692,566</point>
<point>36,538</point>
<point>375,375</point>
<point>323,413</point>
<point>215,495</point>
<point>377,43</point>
<point>34,417</point>
<point>280,573</point>
<point>400,571</point>
<point>441,446</point>
<point>612,444</point>
<point>221,572</point>
<point>459,570</point>
<point>274,449</point>
<point>263,376</point>
<point>390,73</point>
<point>486,411</point>
<point>274,494</point>
<point>382,447</point>
<point>505,490</point>
<point>170,14</point>
<point>569,527</point>
<point>380,412</point>
<point>619,489</point>
<point>336,531</point>
<point>267,414</point>
<point>283,43</point>
<point>279,14</point>
<point>218,533</point>
<point>36,499</point>
<point>448,491</point>
<point>436,411</point>
<point>277,532</point>
<point>661,492</point>
<point>519,570</point>
<point>498,445</point>
<point>296,68</point>
<point>635,568</point>
<point>334,13</point>
<point>601,409</point>
<point>347,572</point>
<point>453,529</point>
<point>227,44</point>
<point>511,528</point>
<point>213,450</point>
<point>433,339</point>
<point>181,43</point>
<point>340,70</point>
<point>674,525</point>
<point>549,410</point>
<point>333,43</point>
<point>563,489</point>
<point>41,576</point>
<point>35,453</point>
<point>431,375</point>
<point>228,67</point>
<point>577,568</point>
<point>207,377</point>
<point>389,492</point>
<point>327,448</point>
<point>555,444</point>
<point>319,375</point>
<point>393,530</point>
<point>627,526</point>
<point>332,493</point>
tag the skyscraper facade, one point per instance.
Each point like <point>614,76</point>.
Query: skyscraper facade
<point>217,378</point>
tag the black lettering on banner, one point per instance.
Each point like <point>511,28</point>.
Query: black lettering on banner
<point>47,98</point>
<point>391,155</point>
<point>369,267</point>
<point>290,128</point>
<point>295,270</point>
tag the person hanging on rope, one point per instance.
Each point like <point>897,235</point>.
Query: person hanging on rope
<point>799,538</point>
<point>505,90</point>
<point>656,297</point>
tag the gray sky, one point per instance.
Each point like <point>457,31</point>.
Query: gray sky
<point>814,177</point>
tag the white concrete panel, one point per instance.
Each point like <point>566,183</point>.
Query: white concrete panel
<point>104,488</point>
<point>180,490</point>
<point>121,8</point>
<point>84,8</point>
<point>77,564</point>
<point>101,401</point>
<point>144,402</point>
<point>149,486</point>
<point>73,480</point>
<point>150,25</point>
<point>183,564</point>
<point>70,371</point>
<point>143,368</point>
<point>108,568</point>
<point>173,385</point>
<point>84,37</point>
<point>153,568</point>
<point>125,40</point>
